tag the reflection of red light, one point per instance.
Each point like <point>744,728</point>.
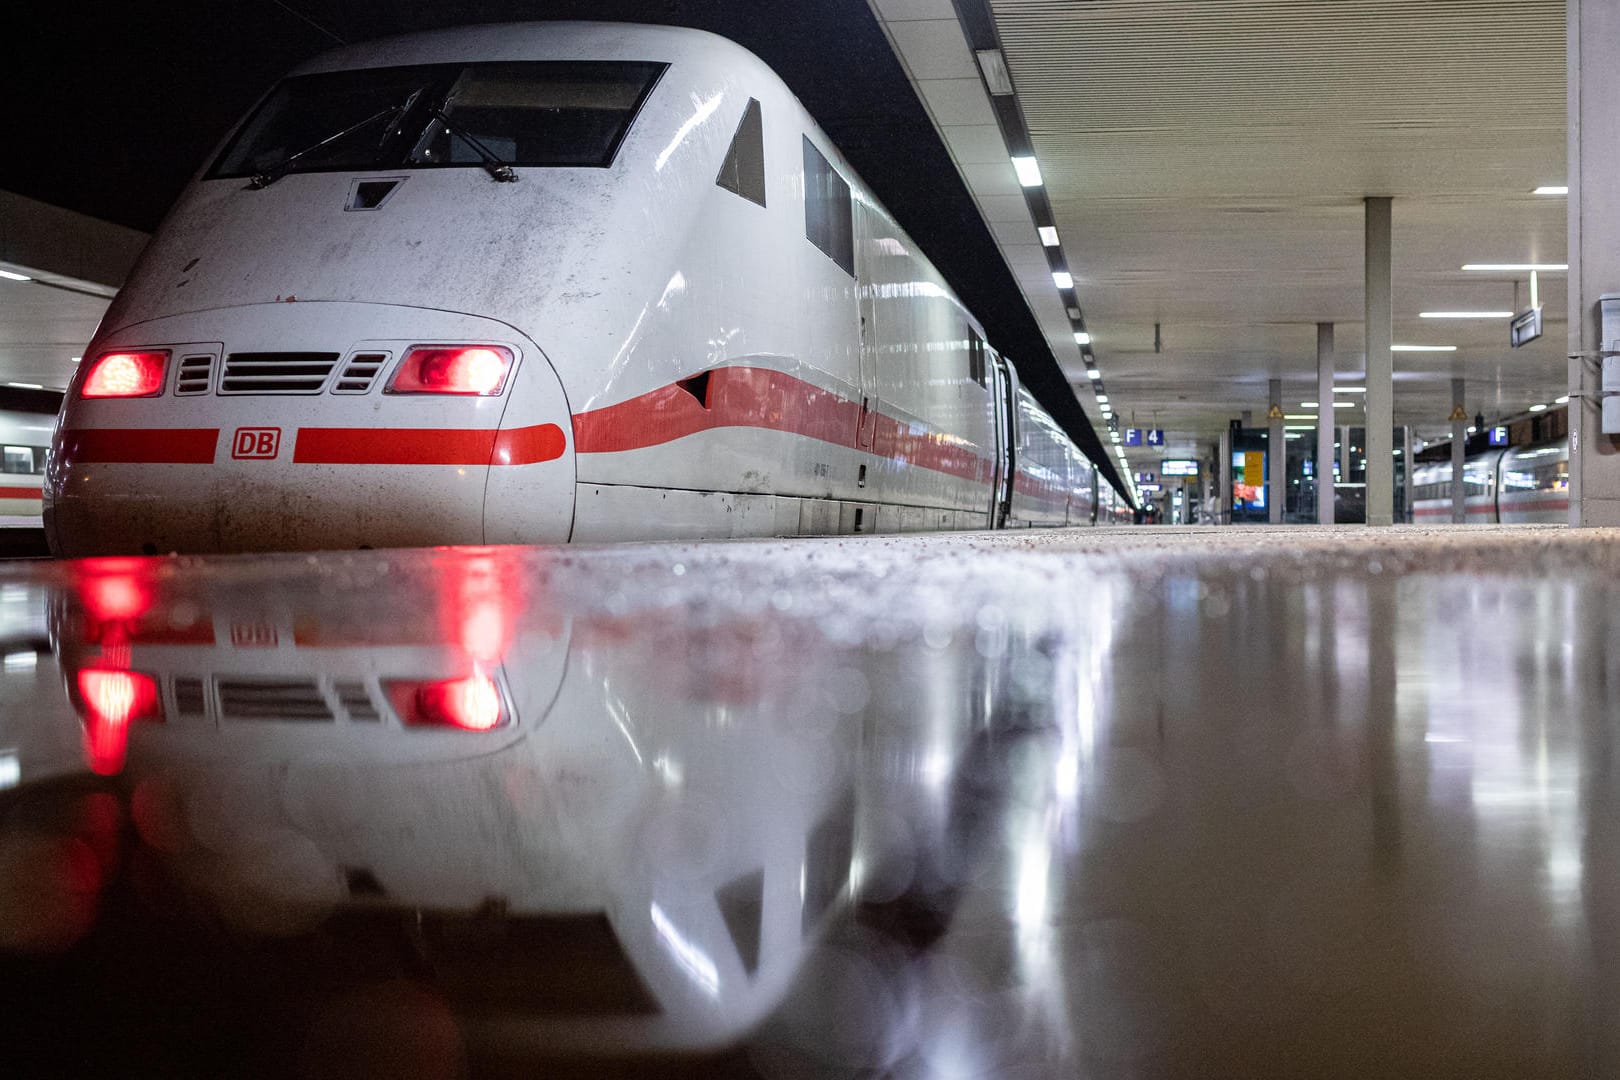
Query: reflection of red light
<point>115,597</point>
<point>471,704</point>
<point>112,699</point>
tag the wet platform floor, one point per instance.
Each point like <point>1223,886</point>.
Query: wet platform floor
<point>1112,803</point>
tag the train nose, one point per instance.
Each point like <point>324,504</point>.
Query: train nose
<point>306,426</point>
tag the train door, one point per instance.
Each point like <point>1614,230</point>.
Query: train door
<point>1005,392</point>
<point>866,290</point>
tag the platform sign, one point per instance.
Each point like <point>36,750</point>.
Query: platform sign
<point>1499,436</point>
<point>1146,477</point>
<point>1145,488</point>
<point>1179,467</point>
<point>1154,437</point>
<point>1133,436</point>
<point>1524,327</point>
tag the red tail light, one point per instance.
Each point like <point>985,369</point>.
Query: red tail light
<point>452,369</point>
<point>112,699</point>
<point>126,374</point>
<point>470,704</point>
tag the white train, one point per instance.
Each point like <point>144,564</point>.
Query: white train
<point>24,440</point>
<point>1516,486</point>
<point>539,283</point>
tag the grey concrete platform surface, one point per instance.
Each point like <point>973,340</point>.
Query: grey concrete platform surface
<point>1108,803</point>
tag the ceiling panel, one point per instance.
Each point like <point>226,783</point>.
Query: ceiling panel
<point>1206,164</point>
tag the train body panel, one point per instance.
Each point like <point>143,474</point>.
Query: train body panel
<point>1520,486</point>
<point>714,305</point>
<point>24,439</point>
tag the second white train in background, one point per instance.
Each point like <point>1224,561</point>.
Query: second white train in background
<point>539,283</point>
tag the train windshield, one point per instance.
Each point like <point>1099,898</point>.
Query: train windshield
<point>533,113</point>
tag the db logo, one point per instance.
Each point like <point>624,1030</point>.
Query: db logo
<point>255,442</point>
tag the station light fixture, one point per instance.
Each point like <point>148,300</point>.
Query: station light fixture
<point>1349,389</point>
<point>1028,170</point>
<point>993,65</point>
<point>1509,268</point>
<point>1082,337</point>
<point>1561,401</point>
<point>1049,236</point>
<point>1538,408</point>
<point>1093,373</point>
<point>1344,405</point>
<point>11,276</point>
<point>1465,314</point>
<point>1423,348</point>
<point>1064,279</point>
<point>1310,404</point>
<point>76,359</point>
<point>26,385</point>
<point>1299,416</point>
<point>1102,399</point>
<point>1551,189</point>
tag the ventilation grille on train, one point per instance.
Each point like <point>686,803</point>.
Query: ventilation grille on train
<point>196,372</point>
<point>272,699</point>
<point>276,372</point>
<point>359,373</point>
<point>357,703</point>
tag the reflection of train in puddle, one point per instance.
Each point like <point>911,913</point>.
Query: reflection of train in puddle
<point>586,833</point>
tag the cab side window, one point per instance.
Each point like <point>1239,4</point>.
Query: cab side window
<point>829,221</point>
<point>743,171</point>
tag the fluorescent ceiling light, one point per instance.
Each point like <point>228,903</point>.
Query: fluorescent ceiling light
<point>1299,416</point>
<point>26,385</point>
<point>1561,401</point>
<point>1064,279</point>
<point>994,67</point>
<point>1552,189</point>
<point>1511,267</point>
<point>1465,314</point>
<point>1101,398</point>
<point>1081,337</point>
<point>1028,170</point>
<point>9,276</point>
<point>1114,435</point>
<point>1093,373</point>
<point>1538,408</point>
<point>1310,404</point>
<point>1423,348</point>
<point>76,359</point>
<point>1048,235</point>
<point>1349,389</point>
<point>1344,404</point>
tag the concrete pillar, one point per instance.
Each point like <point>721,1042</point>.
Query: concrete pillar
<point>1324,423</point>
<point>1276,456</point>
<point>1223,480</point>
<point>1459,444</point>
<point>1379,319</point>
<point>1594,250</point>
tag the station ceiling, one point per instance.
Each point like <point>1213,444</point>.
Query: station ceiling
<point>1206,165</point>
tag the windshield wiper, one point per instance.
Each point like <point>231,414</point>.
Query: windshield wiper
<point>278,170</point>
<point>493,164</point>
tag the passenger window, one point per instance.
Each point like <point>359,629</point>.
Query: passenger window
<point>744,168</point>
<point>975,356</point>
<point>20,459</point>
<point>828,217</point>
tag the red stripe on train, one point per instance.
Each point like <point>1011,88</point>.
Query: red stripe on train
<point>775,401</point>
<point>428,446</point>
<point>146,446</point>
<point>19,493</point>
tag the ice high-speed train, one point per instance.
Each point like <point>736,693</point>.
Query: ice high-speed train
<point>538,283</point>
<point>24,438</point>
<point>1523,485</point>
